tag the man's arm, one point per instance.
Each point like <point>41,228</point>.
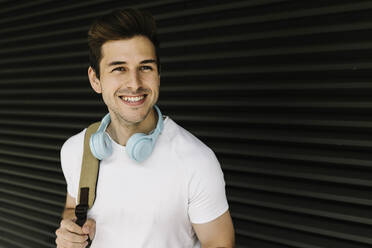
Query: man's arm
<point>218,233</point>
<point>69,211</point>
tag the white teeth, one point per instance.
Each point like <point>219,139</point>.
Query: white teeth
<point>132,99</point>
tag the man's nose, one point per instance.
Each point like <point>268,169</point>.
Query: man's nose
<point>134,80</point>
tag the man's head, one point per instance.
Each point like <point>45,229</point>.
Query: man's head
<point>124,63</point>
<point>118,25</point>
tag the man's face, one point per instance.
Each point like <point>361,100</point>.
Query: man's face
<point>129,79</point>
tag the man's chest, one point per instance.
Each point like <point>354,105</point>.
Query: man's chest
<point>140,196</point>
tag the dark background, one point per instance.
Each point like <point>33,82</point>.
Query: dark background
<point>280,90</point>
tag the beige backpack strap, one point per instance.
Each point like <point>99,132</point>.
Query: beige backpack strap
<point>89,171</point>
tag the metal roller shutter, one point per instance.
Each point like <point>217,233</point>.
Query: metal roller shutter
<point>280,90</point>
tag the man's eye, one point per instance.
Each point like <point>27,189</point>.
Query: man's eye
<point>146,68</point>
<point>119,69</point>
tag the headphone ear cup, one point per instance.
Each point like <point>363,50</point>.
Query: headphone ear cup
<point>100,145</point>
<point>139,147</point>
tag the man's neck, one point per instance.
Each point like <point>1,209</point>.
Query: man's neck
<point>121,131</point>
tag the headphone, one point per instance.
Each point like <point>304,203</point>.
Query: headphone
<point>139,146</point>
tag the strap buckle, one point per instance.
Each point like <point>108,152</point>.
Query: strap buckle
<point>81,212</point>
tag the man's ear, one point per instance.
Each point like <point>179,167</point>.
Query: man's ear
<point>94,81</point>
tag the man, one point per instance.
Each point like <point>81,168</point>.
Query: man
<point>176,197</point>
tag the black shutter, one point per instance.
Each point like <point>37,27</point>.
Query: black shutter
<point>280,90</point>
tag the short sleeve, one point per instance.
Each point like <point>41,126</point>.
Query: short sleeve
<point>207,196</point>
<point>71,157</point>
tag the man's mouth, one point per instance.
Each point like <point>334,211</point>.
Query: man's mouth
<point>133,100</point>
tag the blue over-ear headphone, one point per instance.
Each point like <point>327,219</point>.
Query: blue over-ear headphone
<point>139,145</point>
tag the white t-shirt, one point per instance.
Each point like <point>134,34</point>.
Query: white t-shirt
<point>153,203</point>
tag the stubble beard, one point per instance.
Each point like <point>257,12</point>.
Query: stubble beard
<point>123,121</point>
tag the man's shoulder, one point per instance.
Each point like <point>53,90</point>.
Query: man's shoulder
<point>73,146</point>
<point>186,145</point>
<point>75,140</point>
<point>71,158</point>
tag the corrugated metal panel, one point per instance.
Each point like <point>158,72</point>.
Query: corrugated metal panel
<point>279,89</point>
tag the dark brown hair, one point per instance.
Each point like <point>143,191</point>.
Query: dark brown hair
<point>117,25</point>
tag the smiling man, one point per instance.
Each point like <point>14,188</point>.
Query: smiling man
<point>175,196</point>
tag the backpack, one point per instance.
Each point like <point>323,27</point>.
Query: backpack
<point>88,178</point>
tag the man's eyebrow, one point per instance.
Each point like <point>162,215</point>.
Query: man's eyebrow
<point>146,61</point>
<point>116,63</point>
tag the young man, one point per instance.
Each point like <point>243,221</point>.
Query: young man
<point>174,198</point>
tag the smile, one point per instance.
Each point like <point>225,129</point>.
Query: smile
<point>133,100</point>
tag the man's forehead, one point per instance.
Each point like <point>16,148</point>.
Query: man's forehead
<point>139,48</point>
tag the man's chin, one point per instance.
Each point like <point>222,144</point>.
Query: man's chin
<point>134,119</point>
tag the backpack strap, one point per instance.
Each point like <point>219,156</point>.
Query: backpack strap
<point>89,171</point>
